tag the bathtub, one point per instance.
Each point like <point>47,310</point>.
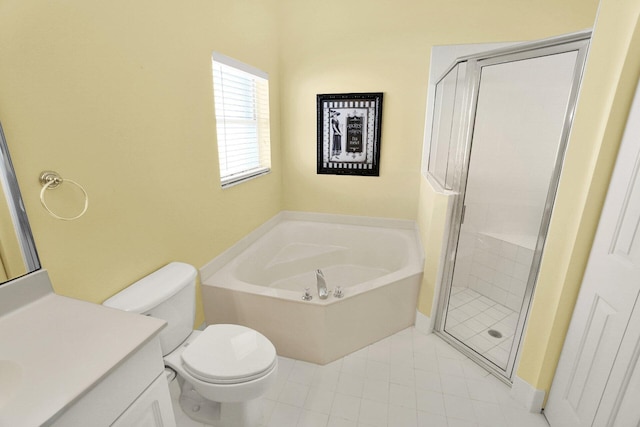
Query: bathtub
<point>260,281</point>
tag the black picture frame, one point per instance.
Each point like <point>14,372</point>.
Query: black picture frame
<point>349,129</point>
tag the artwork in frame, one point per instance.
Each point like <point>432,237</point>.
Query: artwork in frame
<point>349,129</point>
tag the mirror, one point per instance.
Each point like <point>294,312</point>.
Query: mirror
<point>18,254</point>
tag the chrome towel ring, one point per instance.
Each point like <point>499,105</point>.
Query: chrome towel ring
<point>50,180</point>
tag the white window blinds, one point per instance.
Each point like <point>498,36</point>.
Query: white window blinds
<point>241,95</point>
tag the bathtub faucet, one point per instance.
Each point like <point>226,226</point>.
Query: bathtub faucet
<point>323,292</point>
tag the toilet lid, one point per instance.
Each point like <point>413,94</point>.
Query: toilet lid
<point>229,354</point>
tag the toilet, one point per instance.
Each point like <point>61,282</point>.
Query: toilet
<point>224,370</point>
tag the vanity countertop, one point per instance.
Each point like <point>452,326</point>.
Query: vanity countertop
<point>54,349</point>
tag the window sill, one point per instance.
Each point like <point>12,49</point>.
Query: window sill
<point>240,178</point>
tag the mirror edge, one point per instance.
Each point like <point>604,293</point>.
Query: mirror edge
<point>19,213</point>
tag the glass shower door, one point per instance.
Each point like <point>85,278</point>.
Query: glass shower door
<point>522,114</point>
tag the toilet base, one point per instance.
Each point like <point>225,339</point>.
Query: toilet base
<point>216,414</point>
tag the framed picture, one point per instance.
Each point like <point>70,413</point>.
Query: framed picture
<point>349,133</point>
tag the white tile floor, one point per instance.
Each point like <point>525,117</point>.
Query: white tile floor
<point>470,317</point>
<point>407,380</point>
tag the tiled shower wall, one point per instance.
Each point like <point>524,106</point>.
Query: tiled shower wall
<point>493,267</point>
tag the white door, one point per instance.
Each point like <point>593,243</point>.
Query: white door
<point>596,383</point>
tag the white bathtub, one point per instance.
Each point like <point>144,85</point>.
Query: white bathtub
<point>260,281</point>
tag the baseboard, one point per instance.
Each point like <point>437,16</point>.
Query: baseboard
<point>524,393</point>
<point>423,323</point>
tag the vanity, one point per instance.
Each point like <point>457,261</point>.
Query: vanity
<point>65,362</point>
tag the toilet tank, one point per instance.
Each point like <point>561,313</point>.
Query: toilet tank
<point>168,294</point>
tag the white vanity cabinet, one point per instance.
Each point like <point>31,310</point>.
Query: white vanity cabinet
<point>70,363</point>
<point>135,394</point>
<point>151,409</point>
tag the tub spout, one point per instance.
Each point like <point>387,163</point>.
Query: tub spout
<point>323,292</point>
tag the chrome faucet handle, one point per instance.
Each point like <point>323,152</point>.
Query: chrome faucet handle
<point>307,295</point>
<point>323,292</point>
<point>338,292</point>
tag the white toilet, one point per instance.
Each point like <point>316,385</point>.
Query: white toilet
<point>224,370</point>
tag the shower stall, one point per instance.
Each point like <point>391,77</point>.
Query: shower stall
<point>501,122</point>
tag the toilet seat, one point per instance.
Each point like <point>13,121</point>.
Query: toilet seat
<point>229,354</point>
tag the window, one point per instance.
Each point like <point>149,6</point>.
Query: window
<point>241,95</point>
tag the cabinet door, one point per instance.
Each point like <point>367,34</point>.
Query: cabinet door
<point>152,409</point>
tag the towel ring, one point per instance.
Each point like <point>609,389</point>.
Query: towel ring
<point>51,180</point>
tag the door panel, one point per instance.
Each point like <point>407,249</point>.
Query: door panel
<point>596,380</point>
<point>620,401</point>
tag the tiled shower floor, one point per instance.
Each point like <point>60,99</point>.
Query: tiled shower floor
<point>407,380</point>
<point>471,316</point>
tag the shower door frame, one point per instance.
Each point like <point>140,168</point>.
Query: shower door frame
<point>570,43</point>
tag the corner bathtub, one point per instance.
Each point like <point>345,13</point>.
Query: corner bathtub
<point>260,281</point>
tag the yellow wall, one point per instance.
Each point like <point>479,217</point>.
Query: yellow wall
<point>117,95</point>
<point>609,83</point>
<point>432,221</point>
<point>384,46</point>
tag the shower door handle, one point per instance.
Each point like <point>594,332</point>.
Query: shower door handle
<point>464,211</point>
